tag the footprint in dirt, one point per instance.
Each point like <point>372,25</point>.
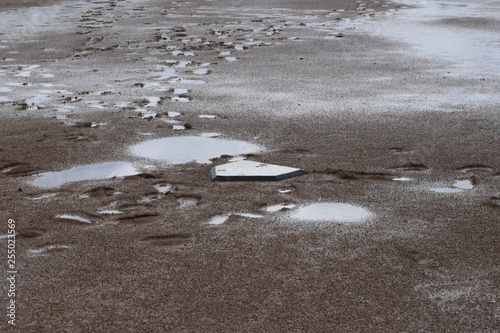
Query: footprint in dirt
<point>13,169</point>
<point>139,218</point>
<point>49,248</point>
<point>170,239</point>
<point>411,167</point>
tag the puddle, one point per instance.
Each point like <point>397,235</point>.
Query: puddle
<point>252,216</point>
<point>463,184</point>
<point>167,74</point>
<point>219,219</point>
<point>173,114</point>
<point>207,116</point>
<point>457,187</point>
<point>335,212</point>
<point>163,189</point>
<point>87,172</point>
<point>185,149</point>
<point>186,81</point>
<point>73,217</point>
<point>181,91</point>
<point>179,127</point>
<point>231,58</point>
<point>153,101</point>
<point>109,212</point>
<point>201,71</point>
<point>149,199</point>
<point>180,99</point>
<point>5,89</point>
<point>402,179</point>
<point>277,208</point>
<point>285,191</point>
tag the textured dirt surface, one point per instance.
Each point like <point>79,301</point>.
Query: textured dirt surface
<point>332,87</point>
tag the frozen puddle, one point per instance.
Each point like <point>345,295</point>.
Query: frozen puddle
<point>87,172</point>
<point>73,217</point>
<point>335,212</point>
<point>185,149</point>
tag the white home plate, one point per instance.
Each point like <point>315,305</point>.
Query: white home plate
<point>253,171</point>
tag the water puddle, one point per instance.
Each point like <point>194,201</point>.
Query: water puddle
<point>73,217</point>
<point>183,64</point>
<point>109,212</point>
<point>335,212</point>
<point>251,216</point>
<point>284,191</point>
<point>201,71</point>
<point>403,179</point>
<point>163,189</point>
<point>186,81</point>
<point>87,172</point>
<point>207,116</point>
<point>185,149</point>
<point>457,187</point>
<point>180,99</point>
<point>464,184</point>
<point>219,219</point>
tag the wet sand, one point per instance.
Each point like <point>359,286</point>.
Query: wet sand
<point>339,89</point>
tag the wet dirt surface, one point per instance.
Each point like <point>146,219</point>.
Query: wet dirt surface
<point>378,117</point>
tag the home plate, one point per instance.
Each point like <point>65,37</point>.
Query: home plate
<point>253,171</point>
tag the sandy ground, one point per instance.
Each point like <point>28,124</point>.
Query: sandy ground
<point>358,94</point>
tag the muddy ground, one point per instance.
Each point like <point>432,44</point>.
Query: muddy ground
<point>318,85</point>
